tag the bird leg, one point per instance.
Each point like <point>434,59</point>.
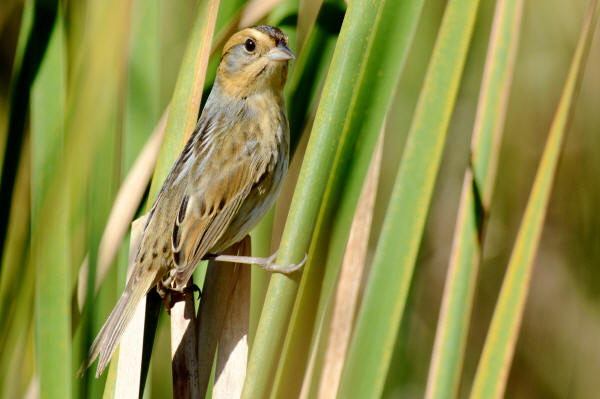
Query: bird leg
<point>266,263</point>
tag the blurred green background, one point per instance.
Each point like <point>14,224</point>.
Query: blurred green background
<point>558,352</point>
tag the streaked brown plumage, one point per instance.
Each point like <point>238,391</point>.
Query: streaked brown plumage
<point>225,179</point>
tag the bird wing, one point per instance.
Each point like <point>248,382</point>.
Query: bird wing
<point>216,189</point>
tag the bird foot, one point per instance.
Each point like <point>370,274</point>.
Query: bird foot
<point>171,294</point>
<point>266,263</point>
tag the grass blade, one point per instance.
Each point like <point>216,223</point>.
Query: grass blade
<point>49,225</point>
<point>26,68</point>
<point>18,289</point>
<point>389,40</point>
<point>494,365</point>
<point>451,336</point>
<point>351,275</point>
<point>387,288</point>
<point>309,192</point>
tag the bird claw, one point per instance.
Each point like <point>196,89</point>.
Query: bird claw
<point>171,294</point>
<point>272,267</point>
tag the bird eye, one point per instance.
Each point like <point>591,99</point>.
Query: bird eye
<point>249,45</point>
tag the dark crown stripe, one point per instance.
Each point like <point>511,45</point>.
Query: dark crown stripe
<point>276,33</point>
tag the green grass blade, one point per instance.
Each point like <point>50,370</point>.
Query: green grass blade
<point>451,336</point>
<point>302,94</point>
<point>314,175</point>
<point>393,28</point>
<point>44,15</point>
<point>494,365</point>
<point>387,288</point>
<point>49,225</point>
<point>309,71</point>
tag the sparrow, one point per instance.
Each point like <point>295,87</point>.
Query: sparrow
<point>226,178</point>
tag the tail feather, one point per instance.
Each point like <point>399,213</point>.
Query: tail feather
<point>110,334</point>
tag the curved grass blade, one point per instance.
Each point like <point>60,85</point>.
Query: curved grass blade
<point>393,27</point>
<point>387,288</point>
<point>302,94</point>
<point>309,192</point>
<point>494,365</point>
<point>451,336</point>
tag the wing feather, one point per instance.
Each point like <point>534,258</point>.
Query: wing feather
<point>224,182</point>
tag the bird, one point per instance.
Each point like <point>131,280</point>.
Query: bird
<point>225,179</point>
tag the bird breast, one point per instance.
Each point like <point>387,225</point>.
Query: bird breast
<point>273,141</point>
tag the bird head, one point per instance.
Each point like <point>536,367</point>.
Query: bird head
<point>254,60</point>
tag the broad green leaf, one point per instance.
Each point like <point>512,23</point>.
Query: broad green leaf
<point>385,294</point>
<point>494,365</point>
<point>451,336</point>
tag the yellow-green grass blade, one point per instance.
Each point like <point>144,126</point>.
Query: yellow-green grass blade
<point>18,358</point>
<point>314,174</point>
<point>385,295</point>
<point>32,44</point>
<point>494,365</point>
<point>392,31</point>
<point>17,246</point>
<point>18,291</point>
<point>307,13</point>
<point>451,335</point>
<point>49,224</point>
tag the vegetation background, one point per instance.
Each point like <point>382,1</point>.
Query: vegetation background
<point>77,107</point>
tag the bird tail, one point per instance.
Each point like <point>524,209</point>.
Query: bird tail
<point>110,334</point>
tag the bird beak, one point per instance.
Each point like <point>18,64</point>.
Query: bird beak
<point>281,53</point>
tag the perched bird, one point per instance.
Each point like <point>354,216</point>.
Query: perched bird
<point>223,182</point>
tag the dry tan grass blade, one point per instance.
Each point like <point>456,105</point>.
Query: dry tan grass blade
<point>184,349</point>
<point>130,351</point>
<point>232,356</point>
<point>349,282</point>
<point>222,321</point>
